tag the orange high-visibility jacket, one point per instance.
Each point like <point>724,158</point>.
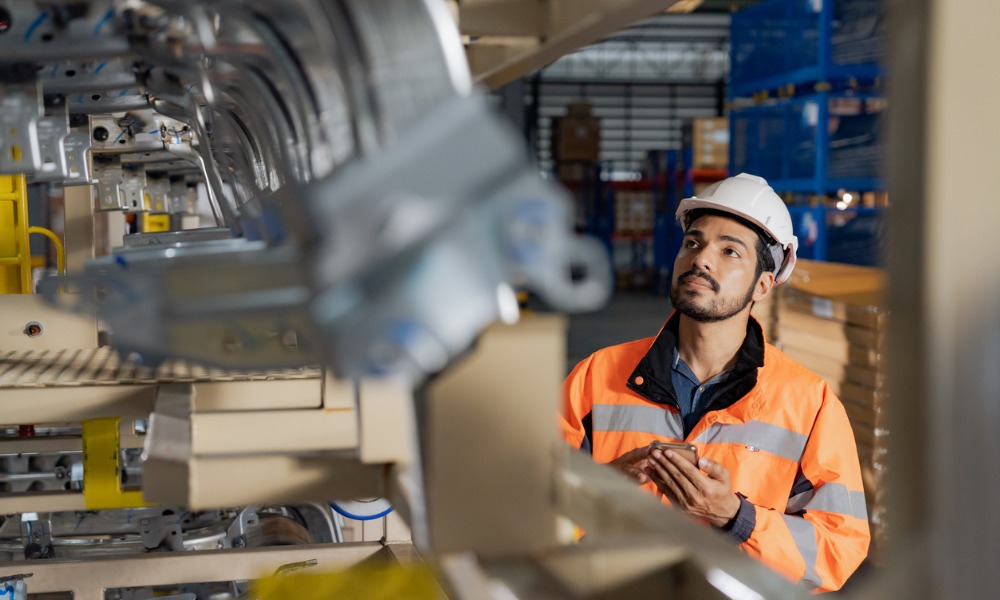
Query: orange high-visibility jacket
<point>778,429</point>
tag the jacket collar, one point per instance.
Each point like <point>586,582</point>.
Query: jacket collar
<point>651,377</point>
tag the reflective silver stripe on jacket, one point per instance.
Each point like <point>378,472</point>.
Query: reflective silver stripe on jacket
<point>804,536</point>
<point>644,419</point>
<point>760,435</point>
<point>831,498</point>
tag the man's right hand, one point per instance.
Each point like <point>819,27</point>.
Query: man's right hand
<point>634,464</point>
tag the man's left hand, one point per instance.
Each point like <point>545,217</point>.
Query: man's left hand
<point>706,495</point>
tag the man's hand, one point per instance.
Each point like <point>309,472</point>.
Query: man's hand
<point>634,464</point>
<point>706,495</point>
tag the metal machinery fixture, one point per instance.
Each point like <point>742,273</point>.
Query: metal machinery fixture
<point>372,216</point>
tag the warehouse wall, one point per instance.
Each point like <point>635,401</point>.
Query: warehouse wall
<point>635,117</point>
<point>644,82</point>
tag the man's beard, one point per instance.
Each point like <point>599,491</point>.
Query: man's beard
<point>717,310</point>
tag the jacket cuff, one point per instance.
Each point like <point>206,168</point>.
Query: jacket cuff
<point>742,525</point>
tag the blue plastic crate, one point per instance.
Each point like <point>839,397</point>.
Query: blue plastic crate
<point>781,42</point>
<point>783,142</point>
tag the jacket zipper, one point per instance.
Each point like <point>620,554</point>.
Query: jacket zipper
<point>732,384</point>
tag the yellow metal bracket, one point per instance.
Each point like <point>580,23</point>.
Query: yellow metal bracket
<point>102,485</point>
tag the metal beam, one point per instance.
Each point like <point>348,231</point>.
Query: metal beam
<point>553,29</point>
<point>610,508</point>
<point>42,502</point>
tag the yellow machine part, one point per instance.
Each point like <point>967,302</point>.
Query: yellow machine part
<point>154,222</point>
<point>15,254</point>
<point>102,485</point>
<point>370,582</point>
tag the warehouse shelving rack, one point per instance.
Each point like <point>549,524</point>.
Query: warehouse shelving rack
<point>851,236</point>
<point>632,252</point>
<point>810,144</point>
<point>813,70</point>
<point>788,44</point>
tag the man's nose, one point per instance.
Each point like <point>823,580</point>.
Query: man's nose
<point>702,259</point>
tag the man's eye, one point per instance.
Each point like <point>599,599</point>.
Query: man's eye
<point>732,252</point>
<point>690,244</point>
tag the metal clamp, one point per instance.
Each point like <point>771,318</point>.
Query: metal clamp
<point>36,536</point>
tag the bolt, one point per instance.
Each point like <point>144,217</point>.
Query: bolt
<point>33,329</point>
<point>101,134</point>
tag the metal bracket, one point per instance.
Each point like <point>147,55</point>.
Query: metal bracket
<point>42,147</point>
<point>51,132</point>
<point>102,486</point>
<point>237,532</point>
<point>76,146</point>
<point>134,189</point>
<point>20,111</point>
<point>108,172</point>
<point>183,197</point>
<point>158,190</point>
<point>163,529</point>
<point>138,131</point>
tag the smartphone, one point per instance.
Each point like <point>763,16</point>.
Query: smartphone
<point>685,450</point>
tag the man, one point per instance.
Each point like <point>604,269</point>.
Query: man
<point>778,468</point>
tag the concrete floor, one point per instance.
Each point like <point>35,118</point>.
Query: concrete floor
<point>628,316</point>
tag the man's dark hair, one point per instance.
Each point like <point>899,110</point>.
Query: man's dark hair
<point>765,261</point>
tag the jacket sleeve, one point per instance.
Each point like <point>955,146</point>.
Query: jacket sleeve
<point>576,405</point>
<point>822,536</point>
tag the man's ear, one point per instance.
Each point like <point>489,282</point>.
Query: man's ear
<point>762,289</point>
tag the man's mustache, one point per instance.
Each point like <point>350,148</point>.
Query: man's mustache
<point>703,275</point>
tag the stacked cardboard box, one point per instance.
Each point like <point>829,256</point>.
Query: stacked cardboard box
<point>709,141</point>
<point>633,212</point>
<point>831,319</point>
<point>577,136</point>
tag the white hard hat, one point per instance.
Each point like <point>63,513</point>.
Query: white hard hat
<point>749,197</point>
